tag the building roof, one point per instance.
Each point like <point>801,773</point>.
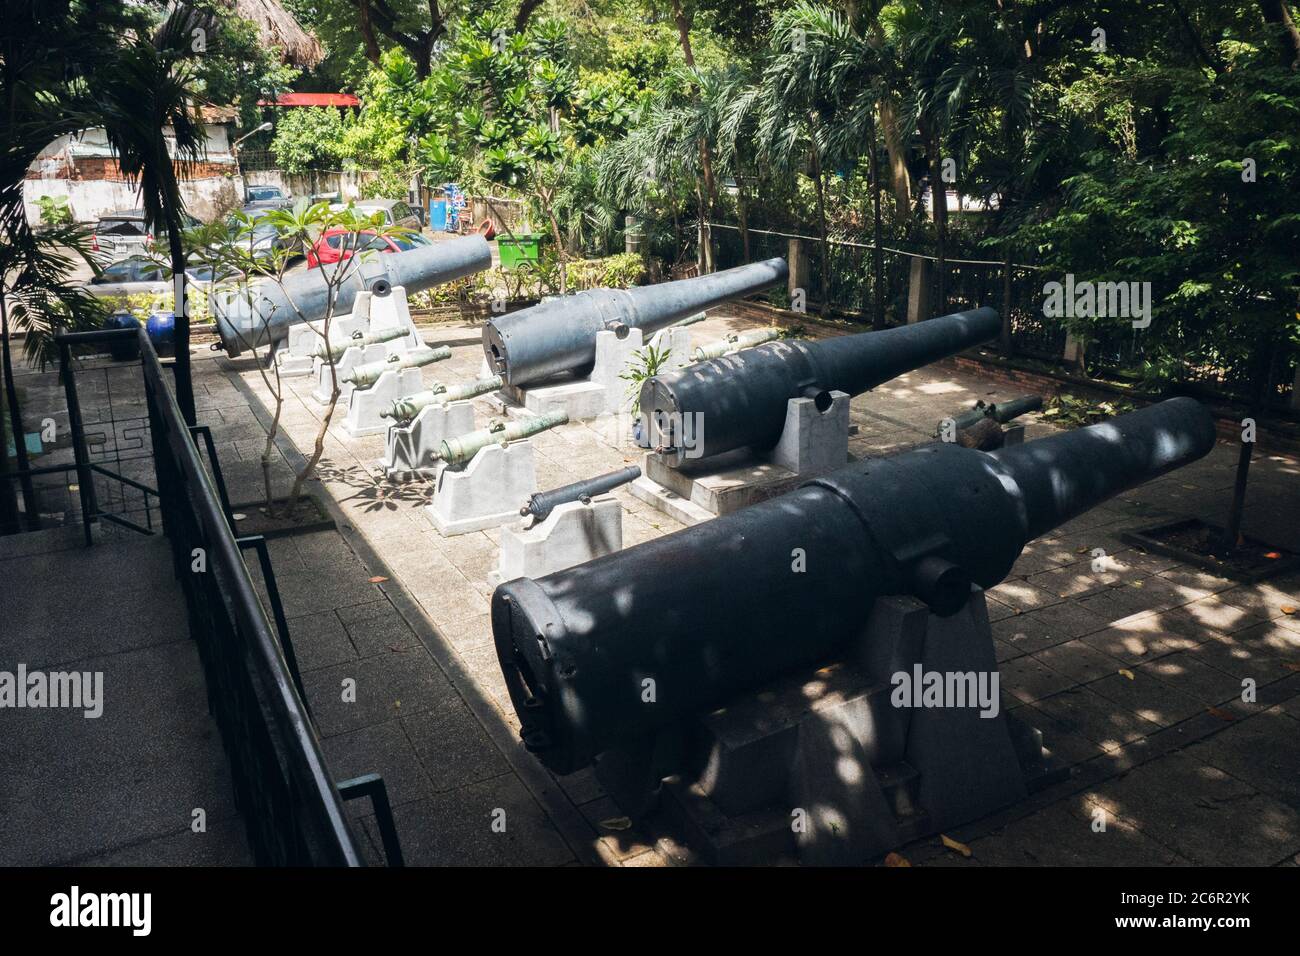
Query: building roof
<point>312,99</point>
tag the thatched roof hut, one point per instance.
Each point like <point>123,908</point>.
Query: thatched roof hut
<point>279,28</point>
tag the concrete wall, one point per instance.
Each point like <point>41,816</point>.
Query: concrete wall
<point>348,183</point>
<point>82,168</point>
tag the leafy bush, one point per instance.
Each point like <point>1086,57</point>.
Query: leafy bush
<point>54,210</point>
<point>613,272</point>
<point>1070,412</point>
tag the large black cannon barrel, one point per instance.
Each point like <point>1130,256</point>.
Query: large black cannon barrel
<point>262,313</point>
<point>560,335</point>
<point>723,606</point>
<point>740,400</point>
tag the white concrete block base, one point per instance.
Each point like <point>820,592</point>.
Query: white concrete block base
<point>412,449</point>
<point>487,493</point>
<point>572,534</point>
<point>363,410</point>
<point>813,442</point>
<point>351,358</point>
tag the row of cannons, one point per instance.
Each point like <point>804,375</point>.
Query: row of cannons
<point>808,667</point>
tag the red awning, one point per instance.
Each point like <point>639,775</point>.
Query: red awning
<point>312,99</point>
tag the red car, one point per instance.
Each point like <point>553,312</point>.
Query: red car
<point>340,243</point>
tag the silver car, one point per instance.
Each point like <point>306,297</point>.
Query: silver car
<point>137,275</point>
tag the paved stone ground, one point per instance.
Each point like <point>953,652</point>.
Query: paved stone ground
<point>1131,666</point>
<point>119,789</point>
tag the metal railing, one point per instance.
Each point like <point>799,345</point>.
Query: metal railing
<point>293,813</point>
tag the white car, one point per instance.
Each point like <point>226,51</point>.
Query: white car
<point>136,275</point>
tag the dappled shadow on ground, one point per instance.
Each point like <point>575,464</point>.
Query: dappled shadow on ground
<point>373,492</point>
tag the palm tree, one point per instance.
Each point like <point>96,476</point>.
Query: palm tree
<point>47,53</point>
<point>149,89</point>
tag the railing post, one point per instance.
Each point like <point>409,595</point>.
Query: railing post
<point>85,478</point>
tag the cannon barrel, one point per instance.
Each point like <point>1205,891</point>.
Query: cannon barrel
<point>361,339</point>
<point>734,343</point>
<point>457,451</point>
<point>1002,412</point>
<point>408,406</point>
<point>740,400</point>
<point>560,336</point>
<point>262,313</point>
<point>363,376</point>
<point>543,503</point>
<point>718,608</point>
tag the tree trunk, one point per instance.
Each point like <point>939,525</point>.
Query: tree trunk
<point>939,205</point>
<point>742,213</point>
<point>878,252</point>
<point>16,419</point>
<point>368,32</point>
<point>820,190</point>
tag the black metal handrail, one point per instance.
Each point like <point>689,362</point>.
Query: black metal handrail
<point>292,810</point>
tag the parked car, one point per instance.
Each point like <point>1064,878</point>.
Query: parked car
<point>267,197</point>
<point>396,212</point>
<point>141,274</point>
<point>123,233</point>
<point>339,243</point>
<point>265,237</point>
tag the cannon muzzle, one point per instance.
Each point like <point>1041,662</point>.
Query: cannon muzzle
<point>577,646</point>
<point>260,314</point>
<point>543,503</point>
<point>560,336</point>
<point>739,400</point>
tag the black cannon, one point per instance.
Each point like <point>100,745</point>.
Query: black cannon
<point>727,605</point>
<point>560,336</point>
<point>263,312</point>
<point>740,400</point>
<point>543,503</point>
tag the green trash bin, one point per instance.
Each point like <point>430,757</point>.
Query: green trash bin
<point>526,247</point>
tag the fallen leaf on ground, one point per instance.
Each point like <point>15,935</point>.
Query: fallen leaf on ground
<point>1273,555</point>
<point>378,579</point>
<point>1221,713</point>
<point>954,845</point>
<point>1291,665</point>
<point>1288,610</point>
<point>617,823</point>
<point>893,859</point>
<point>1125,672</point>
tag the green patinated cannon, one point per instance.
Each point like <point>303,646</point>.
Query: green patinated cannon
<point>734,343</point>
<point>359,339</point>
<point>457,451</point>
<point>363,376</point>
<point>408,406</point>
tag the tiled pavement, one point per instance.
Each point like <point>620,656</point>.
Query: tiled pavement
<point>1131,664</point>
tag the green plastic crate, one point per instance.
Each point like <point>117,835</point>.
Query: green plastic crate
<point>527,248</point>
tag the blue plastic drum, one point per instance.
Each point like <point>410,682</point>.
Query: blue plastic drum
<point>161,328</point>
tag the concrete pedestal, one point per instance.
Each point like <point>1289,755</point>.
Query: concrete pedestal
<point>363,416</point>
<point>389,312</point>
<point>571,534</point>
<point>352,357</point>
<point>811,443</point>
<point>295,357</point>
<point>836,766</point>
<point>412,449</point>
<point>487,493</point>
